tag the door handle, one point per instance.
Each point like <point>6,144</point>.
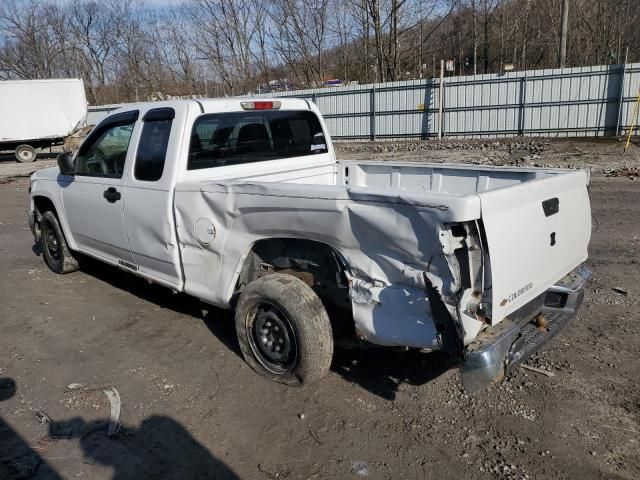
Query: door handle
<point>112,195</point>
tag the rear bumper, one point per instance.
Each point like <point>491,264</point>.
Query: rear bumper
<point>502,347</point>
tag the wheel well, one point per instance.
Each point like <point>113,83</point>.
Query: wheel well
<point>43,204</point>
<point>317,264</point>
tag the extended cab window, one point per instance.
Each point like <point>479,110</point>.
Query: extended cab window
<point>240,137</point>
<point>104,152</point>
<point>152,149</point>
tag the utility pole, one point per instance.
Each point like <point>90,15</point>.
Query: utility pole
<point>420,62</point>
<point>563,33</point>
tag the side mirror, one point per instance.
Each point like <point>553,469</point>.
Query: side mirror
<point>65,164</point>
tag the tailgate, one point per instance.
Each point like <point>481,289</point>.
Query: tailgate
<point>537,232</point>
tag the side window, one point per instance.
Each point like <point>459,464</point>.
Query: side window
<point>152,150</point>
<point>103,154</point>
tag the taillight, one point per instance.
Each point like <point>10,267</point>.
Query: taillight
<point>260,105</point>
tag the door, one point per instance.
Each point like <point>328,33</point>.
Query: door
<point>537,232</point>
<point>94,198</point>
<point>149,189</point>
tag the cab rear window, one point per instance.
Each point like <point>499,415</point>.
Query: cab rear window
<point>242,137</point>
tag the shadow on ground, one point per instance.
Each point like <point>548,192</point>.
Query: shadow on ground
<point>379,370</point>
<point>159,448</point>
<point>17,459</point>
<point>382,370</point>
<point>218,321</point>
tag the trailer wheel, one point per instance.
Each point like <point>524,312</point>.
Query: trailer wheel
<point>25,153</point>
<point>284,330</point>
<point>55,250</point>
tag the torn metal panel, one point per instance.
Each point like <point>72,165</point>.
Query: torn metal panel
<point>393,315</point>
<point>464,299</point>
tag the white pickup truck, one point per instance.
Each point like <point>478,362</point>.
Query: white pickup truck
<point>242,204</point>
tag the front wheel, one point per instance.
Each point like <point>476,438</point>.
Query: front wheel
<point>55,250</point>
<point>284,330</point>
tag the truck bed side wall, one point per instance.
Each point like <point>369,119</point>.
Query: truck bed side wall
<point>421,177</point>
<point>388,239</point>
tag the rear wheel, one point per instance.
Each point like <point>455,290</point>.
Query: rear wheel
<point>284,330</point>
<point>25,153</point>
<point>55,250</point>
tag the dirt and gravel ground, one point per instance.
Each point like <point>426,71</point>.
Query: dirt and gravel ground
<point>600,155</point>
<point>192,409</point>
<point>9,168</point>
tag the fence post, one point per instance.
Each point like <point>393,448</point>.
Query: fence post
<point>523,104</point>
<point>441,101</point>
<point>372,114</point>
<point>313,98</point>
<point>623,69</point>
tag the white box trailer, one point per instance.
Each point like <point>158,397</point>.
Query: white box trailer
<point>39,113</point>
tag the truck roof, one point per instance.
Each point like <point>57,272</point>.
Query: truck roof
<point>43,80</point>
<point>210,105</point>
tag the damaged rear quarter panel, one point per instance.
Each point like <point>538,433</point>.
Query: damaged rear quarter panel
<point>389,240</point>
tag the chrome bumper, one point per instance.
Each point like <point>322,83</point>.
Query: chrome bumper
<point>502,347</point>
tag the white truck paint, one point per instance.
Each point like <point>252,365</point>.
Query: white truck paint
<point>39,113</point>
<point>431,256</point>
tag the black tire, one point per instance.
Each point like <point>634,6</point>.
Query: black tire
<point>284,301</point>
<point>25,153</point>
<point>55,250</point>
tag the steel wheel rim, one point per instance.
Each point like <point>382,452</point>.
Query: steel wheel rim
<point>53,246</point>
<point>24,154</point>
<point>271,338</point>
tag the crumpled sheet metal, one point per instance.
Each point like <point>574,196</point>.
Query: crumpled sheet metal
<point>389,239</point>
<point>377,309</point>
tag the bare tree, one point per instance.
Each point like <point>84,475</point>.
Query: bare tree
<point>94,28</point>
<point>228,35</point>
<point>299,32</point>
<point>127,50</point>
<point>30,46</point>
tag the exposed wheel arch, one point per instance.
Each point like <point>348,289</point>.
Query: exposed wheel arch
<point>55,249</point>
<point>43,204</point>
<point>317,264</point>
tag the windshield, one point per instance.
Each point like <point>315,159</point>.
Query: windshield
<point>240,137</point>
